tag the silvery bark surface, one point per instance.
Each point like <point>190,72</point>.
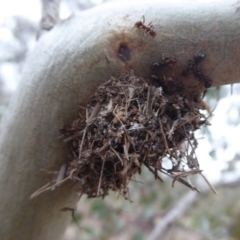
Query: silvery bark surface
<point>65,68</point>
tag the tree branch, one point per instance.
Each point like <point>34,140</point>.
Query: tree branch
<point>181,207</point>
<point>67,66</point>
<point>50,15</point>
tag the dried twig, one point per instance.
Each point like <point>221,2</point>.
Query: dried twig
<point>100,178</point>
<point>208,183</point>
<point>185,174</point>
<point>50,15</point>
<point>181,207</point>
<point>131,122</point>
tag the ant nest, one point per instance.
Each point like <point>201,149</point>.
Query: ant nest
<point>130,122</point>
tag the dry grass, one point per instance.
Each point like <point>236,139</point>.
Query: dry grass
<point>130,122</point>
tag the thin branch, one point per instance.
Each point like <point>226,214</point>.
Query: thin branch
<point>181,208</point>
<point>50,15</point>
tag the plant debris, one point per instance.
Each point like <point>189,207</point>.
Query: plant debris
<point>130,122</point>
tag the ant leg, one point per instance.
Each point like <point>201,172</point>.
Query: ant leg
<point>143,17</point>
<point>150,24</point>
<point>151,27</point>
<point>204,93</point>
<point>200,84</point>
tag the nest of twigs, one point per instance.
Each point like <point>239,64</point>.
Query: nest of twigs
<point>130,122</point>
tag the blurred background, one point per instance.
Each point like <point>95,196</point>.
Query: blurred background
<point>156,210</point>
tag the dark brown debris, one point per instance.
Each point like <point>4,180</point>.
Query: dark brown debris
<point>130,122</point>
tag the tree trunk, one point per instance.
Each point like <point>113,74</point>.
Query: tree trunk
<point>66,67</point>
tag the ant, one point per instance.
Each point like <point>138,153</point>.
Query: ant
<point>173,86</point>
<point>193,64</point>
<point>157,80</point>
<point>192,67</point>
<point>198,58</point>
<point>149,30</point>
<point>168,85</point>
<point>155,66</point>
<point>204,80</point>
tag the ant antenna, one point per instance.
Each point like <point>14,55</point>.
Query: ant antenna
<point>72,210</point>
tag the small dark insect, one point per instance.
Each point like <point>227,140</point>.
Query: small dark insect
<point>169,86</point>
<point>157,80</point>
<point>180,87</point>
<point>198,58</point>
<point>155,66</point>
<point>205,81</point>
<point>193,68</point>
<point>198,74</point>
<point>148,29</point>
<point>189,68</point>
<point>193,64</point>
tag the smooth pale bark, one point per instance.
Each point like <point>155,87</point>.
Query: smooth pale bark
<point>66,67</point>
